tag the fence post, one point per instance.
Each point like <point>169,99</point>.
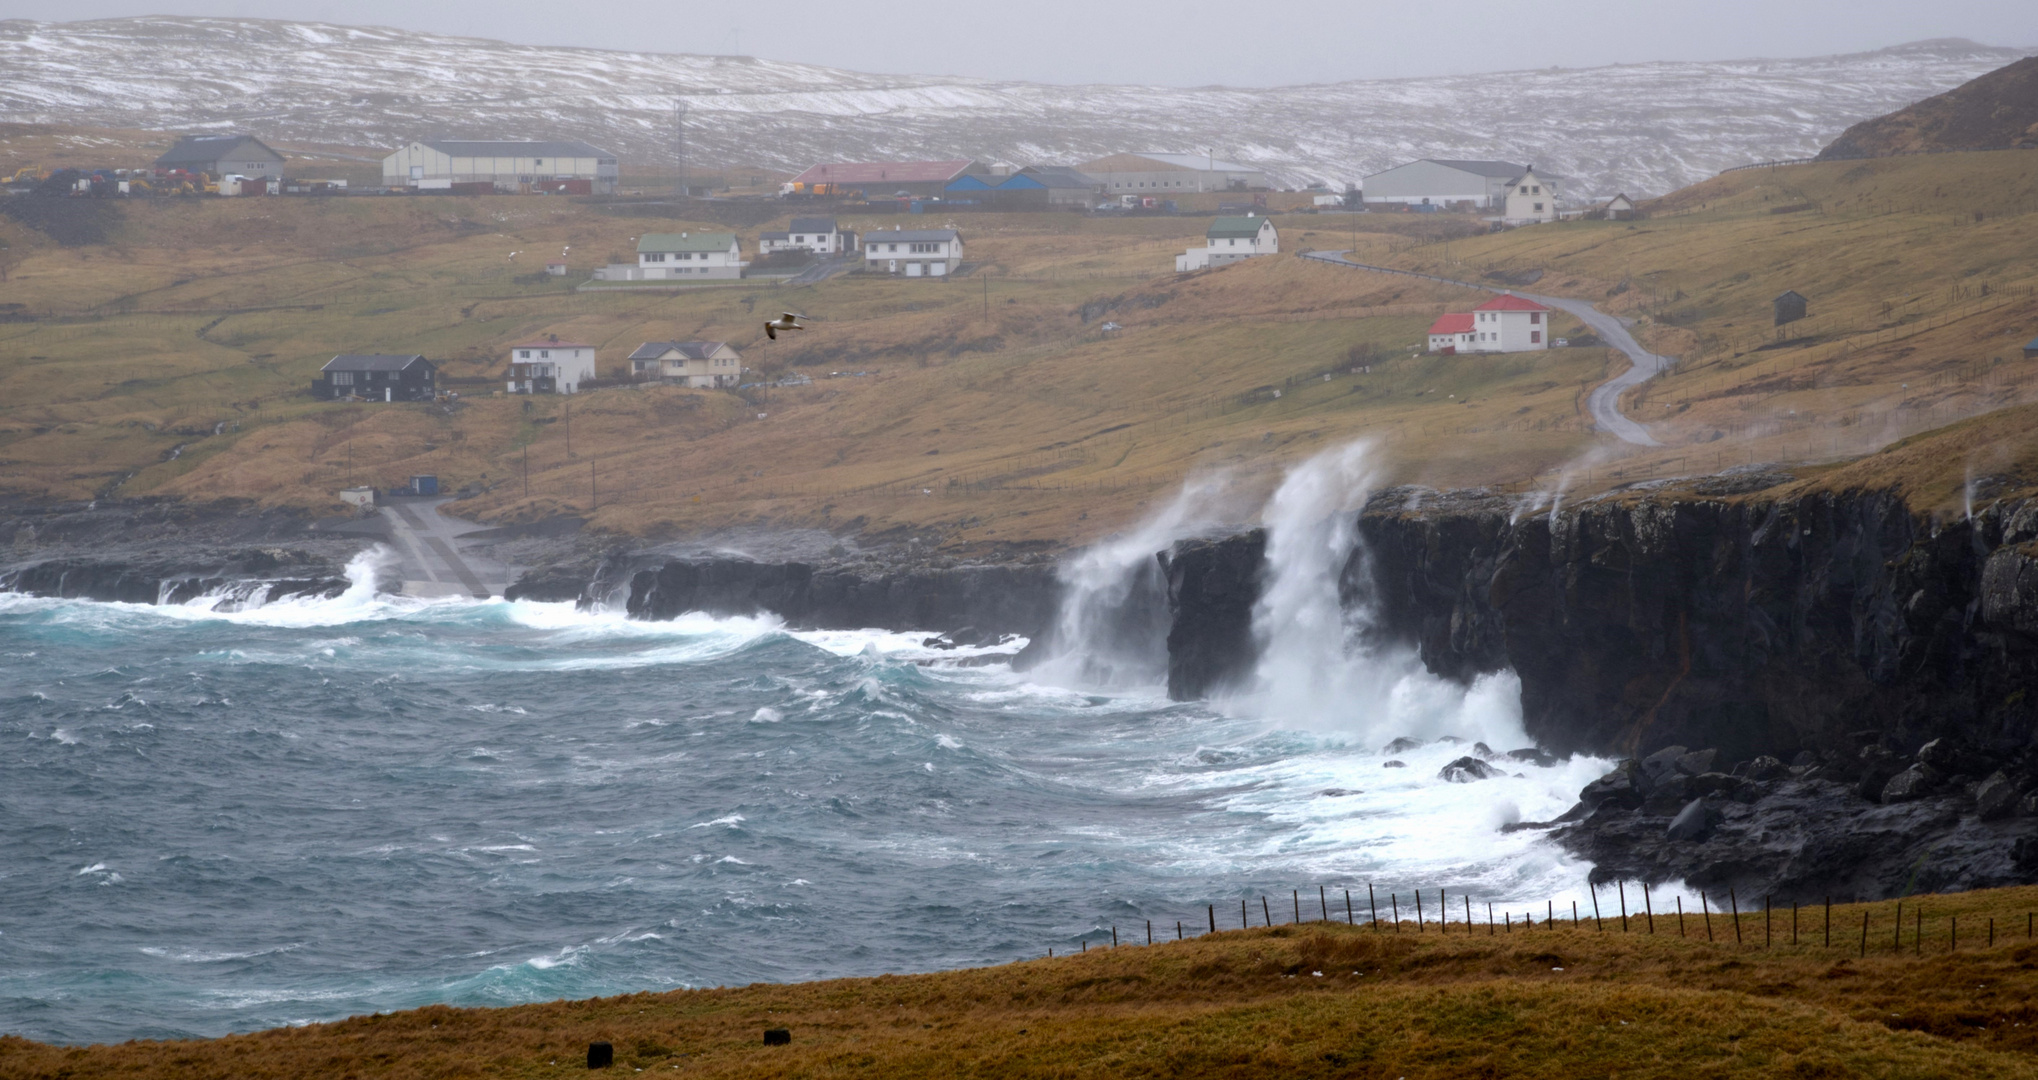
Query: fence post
<point>1596,920</point>
<point>1213,918</point>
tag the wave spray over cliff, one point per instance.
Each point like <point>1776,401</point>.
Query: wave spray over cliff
<point>1321,663</point>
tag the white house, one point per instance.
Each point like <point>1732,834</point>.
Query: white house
<point>913,252</point>
<point>1451,333</point>
<point>816,234</point>
<point>550,366</point>
<point>1230,239</point>
<point>1619,208</point>
<point>700,364</point>
<point>512,166</point>
<point>1531,199</point>
<point>1509,323</point>
<point>661,256</point>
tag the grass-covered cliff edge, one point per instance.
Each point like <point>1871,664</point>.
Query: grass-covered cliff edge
<point>1310,1000</point>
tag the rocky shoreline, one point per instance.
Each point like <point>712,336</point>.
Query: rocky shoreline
<point>1854,675</point>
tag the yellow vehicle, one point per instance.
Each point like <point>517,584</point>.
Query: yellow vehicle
<point>27,174</point>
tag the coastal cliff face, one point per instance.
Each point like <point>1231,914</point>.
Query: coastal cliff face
<point>1212,586</point>
<point>1755,627</point>
<point>994,599</point>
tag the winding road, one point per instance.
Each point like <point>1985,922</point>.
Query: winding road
<point>1604,401</point>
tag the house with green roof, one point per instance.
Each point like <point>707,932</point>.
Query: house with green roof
<point>1230,239</point>
<point>688,256</point>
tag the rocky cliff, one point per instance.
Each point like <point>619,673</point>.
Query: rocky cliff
<point>1752,625</point>
<point>994,599</point>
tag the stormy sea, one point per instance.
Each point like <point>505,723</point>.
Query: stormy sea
<point>216,819</point>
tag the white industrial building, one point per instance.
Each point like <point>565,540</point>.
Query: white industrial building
<point>1468,185</point>
<point>1229,240</point>
<point>566,165</point>
<point>1171,174</point>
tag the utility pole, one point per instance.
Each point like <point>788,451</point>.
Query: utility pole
<point>987,294</point>
<point>527,470</point>
<point>593,488</point>
<point>679,146</point>
<point>569,429</point>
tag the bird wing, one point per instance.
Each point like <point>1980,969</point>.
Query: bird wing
<point>790,317</point>
<point>770,331</point>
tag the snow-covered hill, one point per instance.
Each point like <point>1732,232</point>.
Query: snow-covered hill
<point>1642,128</point>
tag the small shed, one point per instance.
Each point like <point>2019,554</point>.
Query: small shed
<point>2031,349</point>
<point>1790,307</point>
<point>556,268</point>
<point>1620,208</point>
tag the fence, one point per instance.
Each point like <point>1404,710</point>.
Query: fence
<point>1501,920</point>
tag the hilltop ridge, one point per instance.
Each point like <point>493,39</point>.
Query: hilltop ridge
<point>1996,111</point>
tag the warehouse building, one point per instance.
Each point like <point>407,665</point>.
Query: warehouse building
<point>565,166</point>
<point>219,155</point>
<point>1171,174</point>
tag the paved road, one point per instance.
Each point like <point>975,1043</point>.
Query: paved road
<point>1604,401</point>
<point>820,271</point>
<point>427,543</point>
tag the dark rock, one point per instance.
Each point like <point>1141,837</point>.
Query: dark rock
<point>1662,763</point>
<point>1690,823</point>
<point>1876,765</point>
<point>1805,759</point>
<point>2024,853</point>
<point>1764,767</point>
<point>1393,764</point>
<point>1403,745</point>
<point>2028,805</point>
<point>1714,783</point>
<point>1740,770</point>
<point>1915,782</point>
<point>1764,625</point>
<point>1696,762</point>
<point>600,1055</point>
<point>1467,769</point>
<point>1617,788</point>
<point>1953,758</point>
<point>1667,796</point>
<point>1996,797</point>
<point>1020,599</point>
<point>1338,792</point>
<point>1484,751</point>
<point>1534,755</point>
<point>1212,587</point>
<point>777,1037</point>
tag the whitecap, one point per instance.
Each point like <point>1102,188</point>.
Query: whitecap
<point>95,868</point>
<point>732,859</point>
<point>731,821</point>
<point>767,715</point>
<point>947,742</point>
<point>66,737</point>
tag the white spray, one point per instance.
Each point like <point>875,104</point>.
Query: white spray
<point>1112,628</point>
<point>1316,670</point>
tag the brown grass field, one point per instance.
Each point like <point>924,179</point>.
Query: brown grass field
<point>170,356</point>
<point>1309,1000</point>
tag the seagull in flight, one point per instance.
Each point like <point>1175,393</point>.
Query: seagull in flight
<point>786,321</point>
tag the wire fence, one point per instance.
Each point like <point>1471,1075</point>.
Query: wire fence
<point>1767,926</point>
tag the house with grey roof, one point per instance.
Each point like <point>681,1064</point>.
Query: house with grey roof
<point>511,166</point>
<point>699,364</point>
<point>1444,184</point>
<point>377,377</point>
<point>1167,174</point>
<point>913,252</point>
<point>219,155</point>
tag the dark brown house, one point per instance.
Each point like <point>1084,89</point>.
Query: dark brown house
<point>1790,307</point>
<point>377,377</point>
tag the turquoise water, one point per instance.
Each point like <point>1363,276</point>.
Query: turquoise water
<point>215,822</point>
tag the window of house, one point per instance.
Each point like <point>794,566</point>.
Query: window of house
<point>343,378</point>
<point>799,239</point>
<point>1535,317</point>
<point>655,257</point>
<point>544,354</point>
<point>1524,189</point>
<point>1539,208</point>
<point>1535,337</point>
<point>524,354</point>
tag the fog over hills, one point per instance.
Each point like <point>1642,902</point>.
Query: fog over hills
<point>1643,128</point>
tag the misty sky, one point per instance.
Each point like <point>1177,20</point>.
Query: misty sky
<point>1168,42</point>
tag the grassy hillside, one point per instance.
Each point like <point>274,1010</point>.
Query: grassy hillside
<point>167,354</point>
<point>1999,109</point>
<point>1317,999</point>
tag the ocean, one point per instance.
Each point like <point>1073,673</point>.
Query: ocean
<point>220,821</point>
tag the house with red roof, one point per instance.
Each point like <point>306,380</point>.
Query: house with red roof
<point>883,179</point>
<point>1506,323</point>
<point>550,366</point>
<point>1451,333</point>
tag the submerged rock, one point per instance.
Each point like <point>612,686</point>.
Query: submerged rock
<point>1468,769</point>
<point>1690,822</point>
